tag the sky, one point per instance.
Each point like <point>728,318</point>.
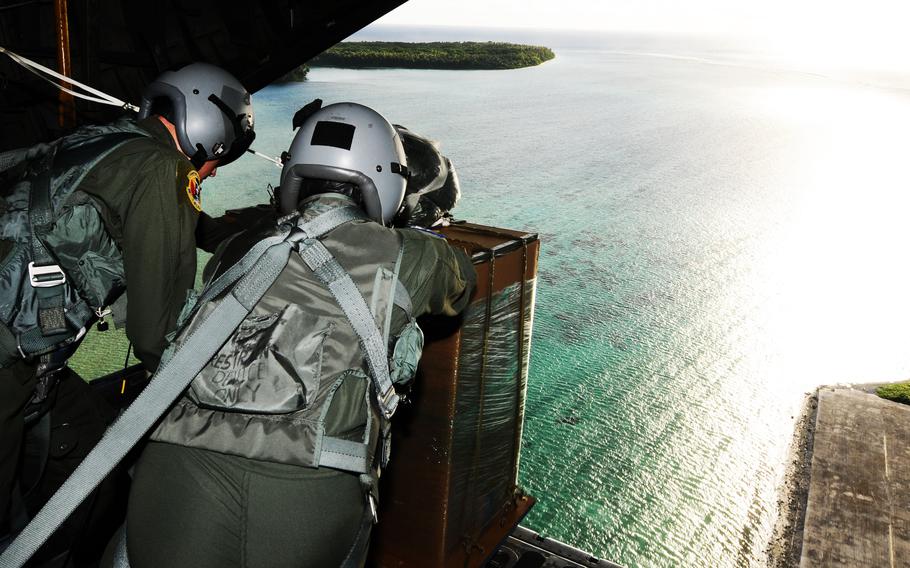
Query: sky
<point>837,30</point>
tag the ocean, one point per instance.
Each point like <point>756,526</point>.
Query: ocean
<point>721,233</point>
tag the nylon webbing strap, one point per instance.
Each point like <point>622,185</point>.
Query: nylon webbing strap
<point>325,222</point>
<point>345,292</point>
<point>345,454</point>
<point>403,298</point>
<point>239,268</point>
<point>315,228</point>
<point>51,317</point>
<point>167,384</point>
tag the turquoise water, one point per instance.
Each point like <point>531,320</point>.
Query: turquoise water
<point>719,237</point>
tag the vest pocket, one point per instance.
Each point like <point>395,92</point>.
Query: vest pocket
<point>272,364</point>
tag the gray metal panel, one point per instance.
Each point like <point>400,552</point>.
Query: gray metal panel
<point>525,547</point>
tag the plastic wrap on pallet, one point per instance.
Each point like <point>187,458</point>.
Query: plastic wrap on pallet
<point>489,411</point>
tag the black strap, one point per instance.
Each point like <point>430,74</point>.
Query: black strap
<point>51,315</point>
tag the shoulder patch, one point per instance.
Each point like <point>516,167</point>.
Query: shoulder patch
<point>194,189</point>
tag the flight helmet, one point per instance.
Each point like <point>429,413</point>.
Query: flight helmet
<point>211,111</point>
<point>353,144</point>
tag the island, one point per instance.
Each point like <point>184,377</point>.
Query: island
<point>460,55</point>
<point>434,55</point>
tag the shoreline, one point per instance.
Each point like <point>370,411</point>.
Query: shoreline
<point>785,548</point>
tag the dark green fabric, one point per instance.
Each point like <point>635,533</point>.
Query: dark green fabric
<point>17,384</point>
<point>78,420</point>
<point>143,186</point>
<point>278,412</point>
<point>192,508</point>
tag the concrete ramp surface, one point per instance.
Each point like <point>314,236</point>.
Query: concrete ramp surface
<point>858,511</point>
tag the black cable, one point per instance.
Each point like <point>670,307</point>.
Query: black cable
<point>126,361</point>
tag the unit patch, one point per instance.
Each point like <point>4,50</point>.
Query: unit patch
<point>194,189</point>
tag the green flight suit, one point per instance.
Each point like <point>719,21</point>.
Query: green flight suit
<point>236,487</point>
<point>149,200</point>
<point>153,219</point>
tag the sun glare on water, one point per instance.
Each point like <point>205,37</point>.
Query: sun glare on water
<point>837,265</point>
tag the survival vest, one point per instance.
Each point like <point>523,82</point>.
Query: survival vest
<point>266,393</point>
<point>216,320</point>
<point>59,266</point>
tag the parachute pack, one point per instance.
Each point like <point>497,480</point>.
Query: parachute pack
<point>59,266</point>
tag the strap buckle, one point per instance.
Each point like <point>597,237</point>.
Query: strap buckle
<point>46,276</point>
<point>388,403</point>
<point>373,509</point>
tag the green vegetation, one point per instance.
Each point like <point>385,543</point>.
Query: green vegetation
<point>898,392</point>
<point>294,75</point>
<point>436,55</point>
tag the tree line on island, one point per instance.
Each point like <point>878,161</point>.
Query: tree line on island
<point>433,55</point>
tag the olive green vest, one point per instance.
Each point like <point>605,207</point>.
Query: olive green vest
<point>291,384</point>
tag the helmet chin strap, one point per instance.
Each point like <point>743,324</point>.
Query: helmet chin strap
<point>199,158</point>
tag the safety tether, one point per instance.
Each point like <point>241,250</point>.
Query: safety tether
<point>37,69</point>
<point>100,97</point>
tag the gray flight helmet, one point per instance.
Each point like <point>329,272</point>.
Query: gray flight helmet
<point>348,143</point>
<point>211,111</point>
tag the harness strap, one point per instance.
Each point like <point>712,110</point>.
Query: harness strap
<point>345,454</point>
<point>400,296</point>
<point>316,227</point>
<point>403,299</point>
<point>168,383</point>
<point>44,275</point>
<point>322,224</point>
<point>241,267</point>
<point>318,258</point>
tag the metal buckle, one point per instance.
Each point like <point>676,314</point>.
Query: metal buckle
<point>45,276</point>
<point>373,510</point>
<point>389,403</point>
